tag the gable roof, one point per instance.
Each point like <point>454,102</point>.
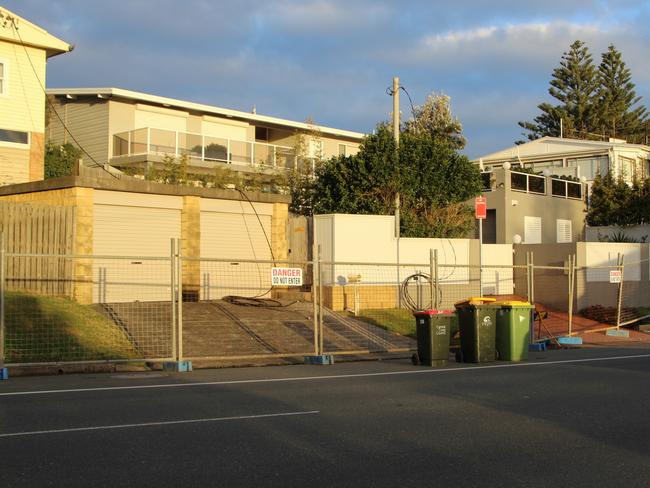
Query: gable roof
<point>18,30</point>
<point>549,147</point>
<point>134,96</point>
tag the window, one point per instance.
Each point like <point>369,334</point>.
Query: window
<point>563,230</point>
<point>589,167</point>
<point>14,136</point>
<point>261,134</point>
<point>348,150</point>
<point>3,78</point>
<point>532,230</point>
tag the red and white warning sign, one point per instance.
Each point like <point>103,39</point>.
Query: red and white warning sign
<point>286,276</point>
<point>615,276</point>
<point>480,208</point>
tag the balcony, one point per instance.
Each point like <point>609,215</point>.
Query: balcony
<point>528,183</point>
<point>202,150</point>
<point>566,189</point>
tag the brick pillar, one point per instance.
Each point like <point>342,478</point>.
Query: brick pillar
<point>83,244</point>
<point>279,242</point>
<point>36,156</point>
<point>191,247</point>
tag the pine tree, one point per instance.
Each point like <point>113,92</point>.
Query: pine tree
<point>573,84</point>
<point>616,98</point>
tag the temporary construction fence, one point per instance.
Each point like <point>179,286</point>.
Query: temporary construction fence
<point>60,308</point>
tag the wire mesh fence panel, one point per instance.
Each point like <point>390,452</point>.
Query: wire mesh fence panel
<point>597,293</point>
<point>614,295</point>
<point>368,307</point>
<point>91,309</point>
<point>634,293</point>
<point>239,312</point>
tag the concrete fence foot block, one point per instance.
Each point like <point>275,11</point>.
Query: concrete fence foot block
<point>177,366</point>
<point>618,333</point>
<point>570,340</point>
<point>320,359</point>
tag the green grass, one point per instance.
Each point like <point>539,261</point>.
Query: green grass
<point>395,320</point>
<point>46,329</point>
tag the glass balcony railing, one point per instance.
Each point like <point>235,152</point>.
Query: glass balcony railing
<point>566,189</point>
<point>528,183</point>
<point>202,148</point>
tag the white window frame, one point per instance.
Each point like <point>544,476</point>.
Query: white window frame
<point>5,78</point>
<point>561,225</point>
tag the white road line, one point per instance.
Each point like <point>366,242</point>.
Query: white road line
<point>324,377</point>
<point>158,424</point>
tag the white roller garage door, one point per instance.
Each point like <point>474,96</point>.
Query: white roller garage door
<point>230,230</point>
<point>140,227</point>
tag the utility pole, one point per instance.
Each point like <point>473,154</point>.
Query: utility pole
<point>396,124</point>
<point>396,109</point>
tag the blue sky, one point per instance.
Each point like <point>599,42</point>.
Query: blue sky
<point>332,60</point>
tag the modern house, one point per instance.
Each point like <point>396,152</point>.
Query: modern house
<point>24,51</point>
<point>529,208</point>
<point>128,129</point>
<point>574,157</point>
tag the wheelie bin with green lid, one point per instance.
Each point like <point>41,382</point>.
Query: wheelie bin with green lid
<point>514,320</point>
<point>477,323</point>
<point>433,329</point>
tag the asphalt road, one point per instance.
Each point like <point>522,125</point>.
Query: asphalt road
<point>567,418</point>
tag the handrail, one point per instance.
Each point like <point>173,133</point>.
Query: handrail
<point>175,146</point>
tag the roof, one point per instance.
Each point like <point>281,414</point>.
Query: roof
<point>18,30</point>
<point>548,147</point>
<point>199,107</point>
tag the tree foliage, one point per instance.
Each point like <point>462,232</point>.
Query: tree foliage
<point>616,97</point>
<point>434,119</point>
<point>614,202</point>
<point>60,160</point>
<point>591,102</point>
<point>431,178</point>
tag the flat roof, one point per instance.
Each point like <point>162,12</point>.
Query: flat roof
<point>137,186</point>
<point>199,107</point>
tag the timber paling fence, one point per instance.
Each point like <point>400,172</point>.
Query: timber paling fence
<point>64,308</point>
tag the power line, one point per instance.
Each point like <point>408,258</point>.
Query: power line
<point>40,83</point>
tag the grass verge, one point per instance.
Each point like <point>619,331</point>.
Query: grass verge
<point>48,329</point>
<point>397,320</point>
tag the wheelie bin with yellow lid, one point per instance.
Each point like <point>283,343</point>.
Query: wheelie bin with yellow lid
<point>514,319</point>
<point>477,323</point>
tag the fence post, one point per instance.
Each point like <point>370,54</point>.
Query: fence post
<point>621,258</point>
<point>532,278</point>
<point>314,292</point>
<point>2,303</point>
<point>320,304</point>
<point>172,262</point>
<point>570,272</point>
<point>179,308</point>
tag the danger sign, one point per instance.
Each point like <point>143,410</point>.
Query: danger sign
<point>286,276</point>
<point>614,275</point>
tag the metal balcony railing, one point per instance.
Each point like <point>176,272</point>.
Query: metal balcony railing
<point>528,183</point>
<point>203,148</point>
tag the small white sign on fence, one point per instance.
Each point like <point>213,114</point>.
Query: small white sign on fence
<point>614,275</point>
<point>286,276</point>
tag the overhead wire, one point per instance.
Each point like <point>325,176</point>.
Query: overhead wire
<point>49,102</point>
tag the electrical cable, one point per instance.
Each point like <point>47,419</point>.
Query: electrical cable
<point>42,86</point>
<point>417,278</point>
<point>256,302</point>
